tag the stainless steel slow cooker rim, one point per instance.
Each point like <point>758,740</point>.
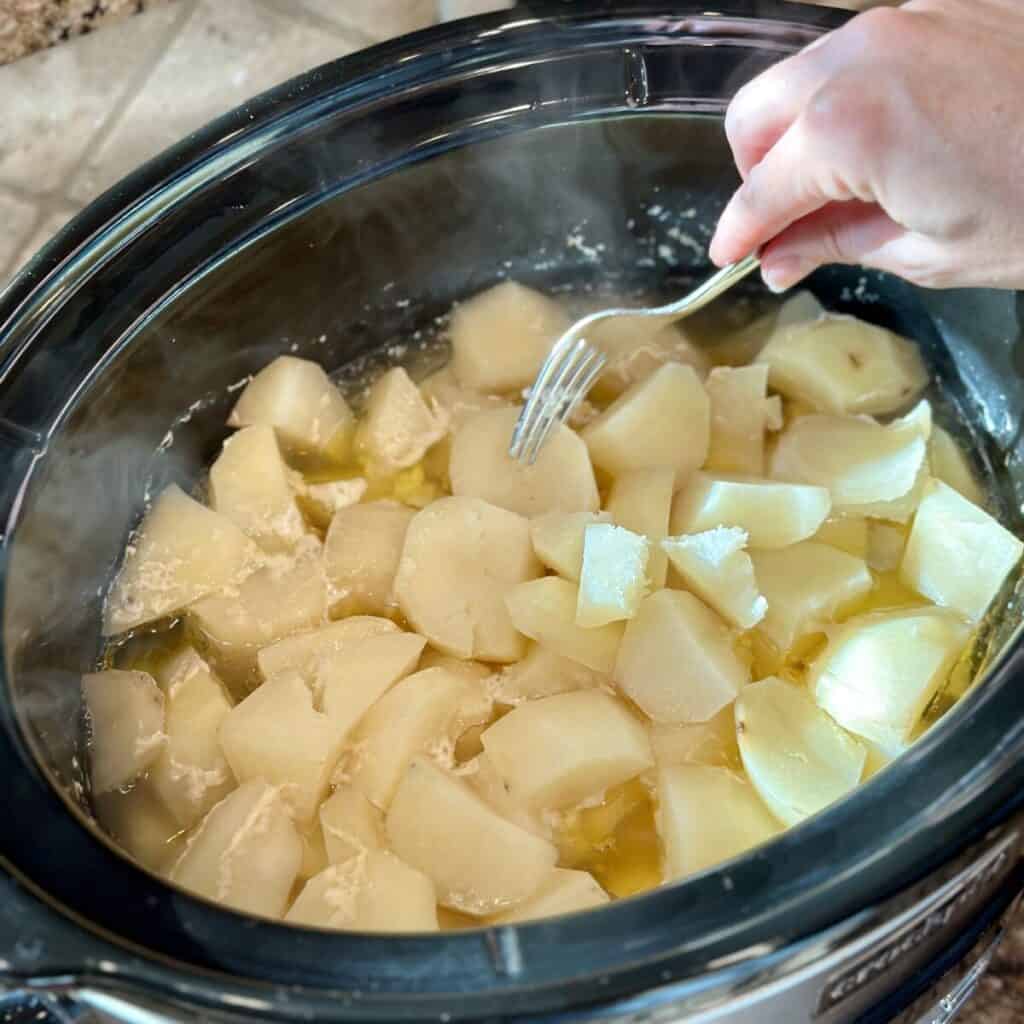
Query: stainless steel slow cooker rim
<point>68,240</point>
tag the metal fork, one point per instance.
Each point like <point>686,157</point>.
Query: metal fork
<point>574,364</point>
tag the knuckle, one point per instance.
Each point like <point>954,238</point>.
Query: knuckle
<point>878,29</point>
<point>850,116</point>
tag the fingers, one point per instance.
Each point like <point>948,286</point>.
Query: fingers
<point>762,111</point>
<point>842,232</point>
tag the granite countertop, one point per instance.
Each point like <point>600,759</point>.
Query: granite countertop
<point>30,25</point>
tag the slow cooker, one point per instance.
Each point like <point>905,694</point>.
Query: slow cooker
<point>557,145</point>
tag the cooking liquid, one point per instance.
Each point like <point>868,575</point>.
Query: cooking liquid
<point>615,840</point>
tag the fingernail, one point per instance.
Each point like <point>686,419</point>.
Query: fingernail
<point>781,274</point>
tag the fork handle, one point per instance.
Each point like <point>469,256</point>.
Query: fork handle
<point>715,285</point>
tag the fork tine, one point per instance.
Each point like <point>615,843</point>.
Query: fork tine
<point>572,387</point>
<point>535,402</point>
<point>550,401</point>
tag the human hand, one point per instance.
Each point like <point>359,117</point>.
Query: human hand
<point>895,142</point>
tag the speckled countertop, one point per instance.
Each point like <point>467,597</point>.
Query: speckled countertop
<point>77,117</point>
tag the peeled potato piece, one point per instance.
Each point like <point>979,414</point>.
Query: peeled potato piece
<point>878,672</point>
<point>599,744</point>
<point>564,892</point>
<point>181,552</point>
<point>949,464</point>
<point>805,586</point>
<point>860,462</point>
<point>773,515</point>
<point>501,336</point>
<point>250,484</point>
<point>297,398</point>
<point>126,722</point>
<point>483,778</point>
<point>361,555</point>
<point>614,575</point>
<point>462,667</point>
<point>352,679</point>
<point>742,346</point>
<point>886,542</point>
<point>271,603</point>
<point>246,852</point>
<point>839,364</point>
<point>663,420</point>
<point>302,652</point>
<point>716,567</point>
<point>957,555</point>
<point>543,673</point>
<point>275,735</point>
<point>711,742</point>
<point>398,426</point>
<point>849,534</point>
<point>321,502</point>
<point>139,821</point>
<point>635,347</point>
<point>350,825</point>
<point>797,758</point>
<point>641,501</point>
<point>558,540</point>
<point>676,661</point>
<point>190,773</point>
<point>739,414</point>
<point>372,893</point>
<point>561,480</point>
<point>480,863</point>
<point>314,853</point>
<point>707,815</point>
<point>461,557</point>
<point>545,611</point>
<point>414,712</point>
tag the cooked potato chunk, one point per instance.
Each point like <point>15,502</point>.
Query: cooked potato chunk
<point>350,825</point>
<point>501,336</point>
<point>742,346</point>
<point>302,652</point>
<point>297,399</point>
<point>250,484</point>
<point>461,557</point>
<point>878,672</point>
<point>462,667</point>
<point>849,534</point>
<point>676,661</point>
<point>641,501</point>
<point>949,464</point>
<point>710,742</point>
<point>322,501</point>
<point>414,712</point>
<point>558,540</point>
<point>839,364</point>
<point>715,566</point>
<point>275,734</point>
<point>542,673</point>
<point>443,391</point>
<point>564,892</point>
<point>361,556</point>
<point>483,778</point>
<point>797,758</point>
<point>314,853</point>
<point>271,603</point>
<point>599,744</point>
<point>181,552</point>
<point>140,821</point>
<point>246,852</point>
<point>957,556</point>
<point>126,723</point>
<point>545,611</point>
<point>806,585</point>
<point>635,348</point>
<point>561,480</point>
<point>190,774</point>
<point>773,515</point>
<point>886,542</point>
<point>373,893</point>
<point>707,815</point>
<point>352,679</point>
<point>479,862</point>
<point>739,414</point>
<point>661,421</point>
<point>860,462</point>
<point>398,426</point>
<point>614,575</point>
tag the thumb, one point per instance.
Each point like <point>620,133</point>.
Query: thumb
<point>841,232</point>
